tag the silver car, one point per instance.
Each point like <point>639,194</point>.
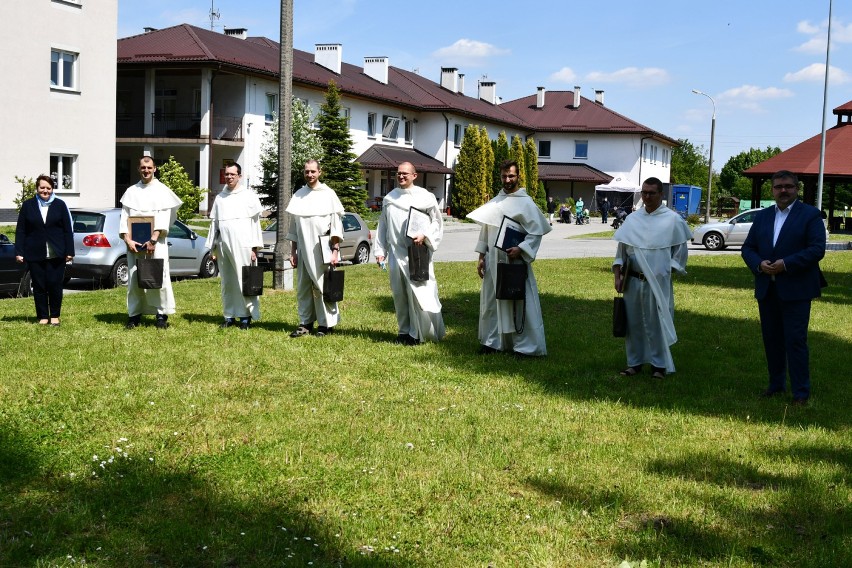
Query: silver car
<point>356,245</point>
<point>716,236</point>
<point>100,254</point>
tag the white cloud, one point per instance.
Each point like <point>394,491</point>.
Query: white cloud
<point>840,33</point>
<point>750,97</point>
<point>468,51</point>
<point>805,27</point>
<point>564,75</point>
<point>631,76</point>
<point>815,73</point>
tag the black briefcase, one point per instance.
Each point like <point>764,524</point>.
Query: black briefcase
<point>418,263</point>
<point>252,280</point>
<point>619,317</point>
<point>511,281</point>
<point>149,273</point>
<point>332,286</point>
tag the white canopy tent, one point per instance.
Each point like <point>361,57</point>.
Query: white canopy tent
<point>619,192</point>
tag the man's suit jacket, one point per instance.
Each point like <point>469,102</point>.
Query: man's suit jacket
<point>33,233</point>
<point>801,244</point>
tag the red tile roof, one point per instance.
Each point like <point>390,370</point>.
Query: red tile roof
<point>183,44</point>
<point>574,172</point>
<point>379,157</point>
<point>803,158</point>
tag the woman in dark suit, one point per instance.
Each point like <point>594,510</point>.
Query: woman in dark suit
<point>44,239</point>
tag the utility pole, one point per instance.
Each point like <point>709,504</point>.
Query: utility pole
<point>283,276</point>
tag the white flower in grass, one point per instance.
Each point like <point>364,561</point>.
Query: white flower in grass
<point>409,446</point>
<point>95,458</point>
<point>151,402</point>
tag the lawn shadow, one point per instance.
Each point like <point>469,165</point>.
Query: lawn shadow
<point>132,512</point>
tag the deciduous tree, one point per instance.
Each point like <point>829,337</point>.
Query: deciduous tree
<point>689,165</point>
<point>731,179</point>
<point>175,177</point>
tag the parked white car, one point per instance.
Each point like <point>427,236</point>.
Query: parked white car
<point>733,232</point>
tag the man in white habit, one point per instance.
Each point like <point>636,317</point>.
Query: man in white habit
<point>418,310</point>
<point>509,325</point>
<point>236,236</point>
<point>652,243</point>
<point>148,198</point>
<point>315,211</point>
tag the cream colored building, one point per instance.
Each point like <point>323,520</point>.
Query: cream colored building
<point>58,99</point>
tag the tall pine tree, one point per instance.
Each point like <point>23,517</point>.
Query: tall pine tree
<point>516,152</point>
<point>487,164</point>
<point>501,154</point>
<point>534,188</point>
<point>469,183</point>
<point>340,171</point>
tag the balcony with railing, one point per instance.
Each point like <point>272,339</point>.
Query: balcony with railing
<point>186,126</point>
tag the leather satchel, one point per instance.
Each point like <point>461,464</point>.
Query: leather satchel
<point>149,273</point>
<point>619,317</point>
<point>252,280</point>
<point>418,263</point>
<point>511,281</point>
<point>332,285</point>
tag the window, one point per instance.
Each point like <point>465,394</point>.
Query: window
<point>196,102</point>
<point>350,223</point>
<point>653,154</point>
<point>544,148</point>
<point>371,124</point>
<point>457,135</point>
<point>346,113</point>
<point>62,171</point>
<point>409,132</point>
<point>271,107</point>
<point>645,151</point>
<point>581,149</point>
<point>63,69</point>
<point>390,128</point>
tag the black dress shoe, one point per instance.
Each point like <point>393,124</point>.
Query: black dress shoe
<point>162,322</point>
<point>132,322</point>
<point>245,323</point>
<point>769,393</point>
<point>227,323</point>
<point>486,350</point>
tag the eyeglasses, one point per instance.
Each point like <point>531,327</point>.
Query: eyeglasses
<point>784,186</point>
<point>404,174</point>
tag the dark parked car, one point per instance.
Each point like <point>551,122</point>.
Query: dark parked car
<point>100,254</point>
<point>14,277</point>
<point>356,245</point>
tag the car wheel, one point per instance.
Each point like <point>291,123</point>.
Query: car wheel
<point>209,268</point>
<point>362,254</point>
<point>714,241</point>
<point>120,274</point>
<point>25,288</point>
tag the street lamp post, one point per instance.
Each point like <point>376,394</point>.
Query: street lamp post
<point>710,166</point>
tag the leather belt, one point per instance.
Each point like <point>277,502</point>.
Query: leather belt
<point>639,275</point>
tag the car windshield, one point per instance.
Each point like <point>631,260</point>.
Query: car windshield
<point>87,222</point>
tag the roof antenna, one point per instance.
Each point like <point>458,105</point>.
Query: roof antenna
<point>214,16</point>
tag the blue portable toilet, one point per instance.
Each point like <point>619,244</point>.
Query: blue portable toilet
<point>686,199</point>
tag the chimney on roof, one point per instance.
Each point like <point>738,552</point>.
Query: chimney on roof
<point>239,33</point>
<point>449,79</point>
<point>539,98</point>
<point>329,55</point>
<point>599,96</point>
<point>376,68</point>
<point>148,29</point>
<point>461,83</point>
<point>488,91</point>
<point>576,101</point>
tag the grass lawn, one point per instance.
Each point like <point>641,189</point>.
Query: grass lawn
<point>196,446</point>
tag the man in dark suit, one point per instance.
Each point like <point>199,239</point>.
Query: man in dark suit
<point>783,250</point>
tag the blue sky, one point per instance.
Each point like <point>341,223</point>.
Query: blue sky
<point>762,61</point>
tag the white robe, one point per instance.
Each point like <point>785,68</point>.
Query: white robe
<point>234,232</point>
<point>314,212</point>
<point>497,325</point>
<point>417,307</point>
<point>157,201</point>
<point>653,244</point>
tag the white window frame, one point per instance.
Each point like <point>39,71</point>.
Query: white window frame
<point>577,145</point>
<point>59,65</point>
<point>61,177</point>
<point>408,129</point>
<point>271,102</point>
<point>549,148</point>
<point>371,124</point>
<point>458,135</point>
<point>390,128</point>
<point>346,112</point>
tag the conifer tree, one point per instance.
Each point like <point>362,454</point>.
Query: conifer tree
<point>534,188</point>
<point>340,171</point>
<point>501,154</point>
<point>175,177</point>
<point>468,183</point>
<point>487,164</point>
<point>516,152</point>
